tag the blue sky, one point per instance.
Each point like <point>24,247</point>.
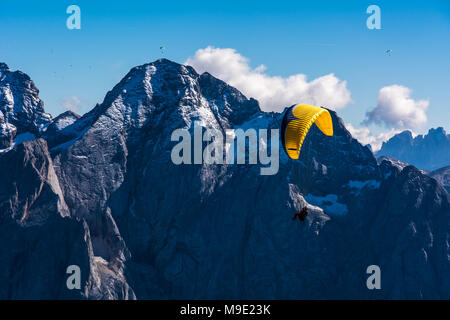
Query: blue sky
<point>314,38</point>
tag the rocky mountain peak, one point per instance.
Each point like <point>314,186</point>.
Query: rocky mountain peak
<point>164,90</point>
<point>438,136</point>
<point>3,67</point>
<point>22,109</point>
<point>437,131</point>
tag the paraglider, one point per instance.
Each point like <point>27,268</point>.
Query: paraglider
<point>296,123</point>
<point>389,51</point>
<point>162,48</point>
<point>301,215</point>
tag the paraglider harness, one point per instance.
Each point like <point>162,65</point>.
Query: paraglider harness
<point>301,215</point>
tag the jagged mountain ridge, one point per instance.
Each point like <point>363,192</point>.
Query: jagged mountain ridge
<point>151,229</point>
<point>428,152</point>
<point>21,109</point>
<point>398,163</point>
<point>442,176</point>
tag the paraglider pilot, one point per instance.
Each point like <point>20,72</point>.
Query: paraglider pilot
<point>301,215</point>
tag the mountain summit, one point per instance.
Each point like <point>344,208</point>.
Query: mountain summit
<point>21,109</point>
<point>100,191</point>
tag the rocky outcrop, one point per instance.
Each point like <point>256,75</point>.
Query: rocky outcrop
<point>7,133</point>
<point>442,176</point>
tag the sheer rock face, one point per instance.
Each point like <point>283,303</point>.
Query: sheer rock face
<point>143,227</point>
<point>413,215</point>
<point>21,109</point>
<point>38,240</point>
<point>28,182</point>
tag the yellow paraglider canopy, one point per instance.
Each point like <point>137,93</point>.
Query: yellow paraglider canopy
<point>296,123</point>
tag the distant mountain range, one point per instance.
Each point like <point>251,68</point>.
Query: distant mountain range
<point>429,152</point>
<point>100,191</point>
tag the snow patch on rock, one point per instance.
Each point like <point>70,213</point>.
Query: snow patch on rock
<point>328,203</point>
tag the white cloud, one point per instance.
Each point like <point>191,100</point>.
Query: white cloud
<point>71,103</point>
<point>273,92</point>
<point>364,136</point>
<point>396,109</point>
